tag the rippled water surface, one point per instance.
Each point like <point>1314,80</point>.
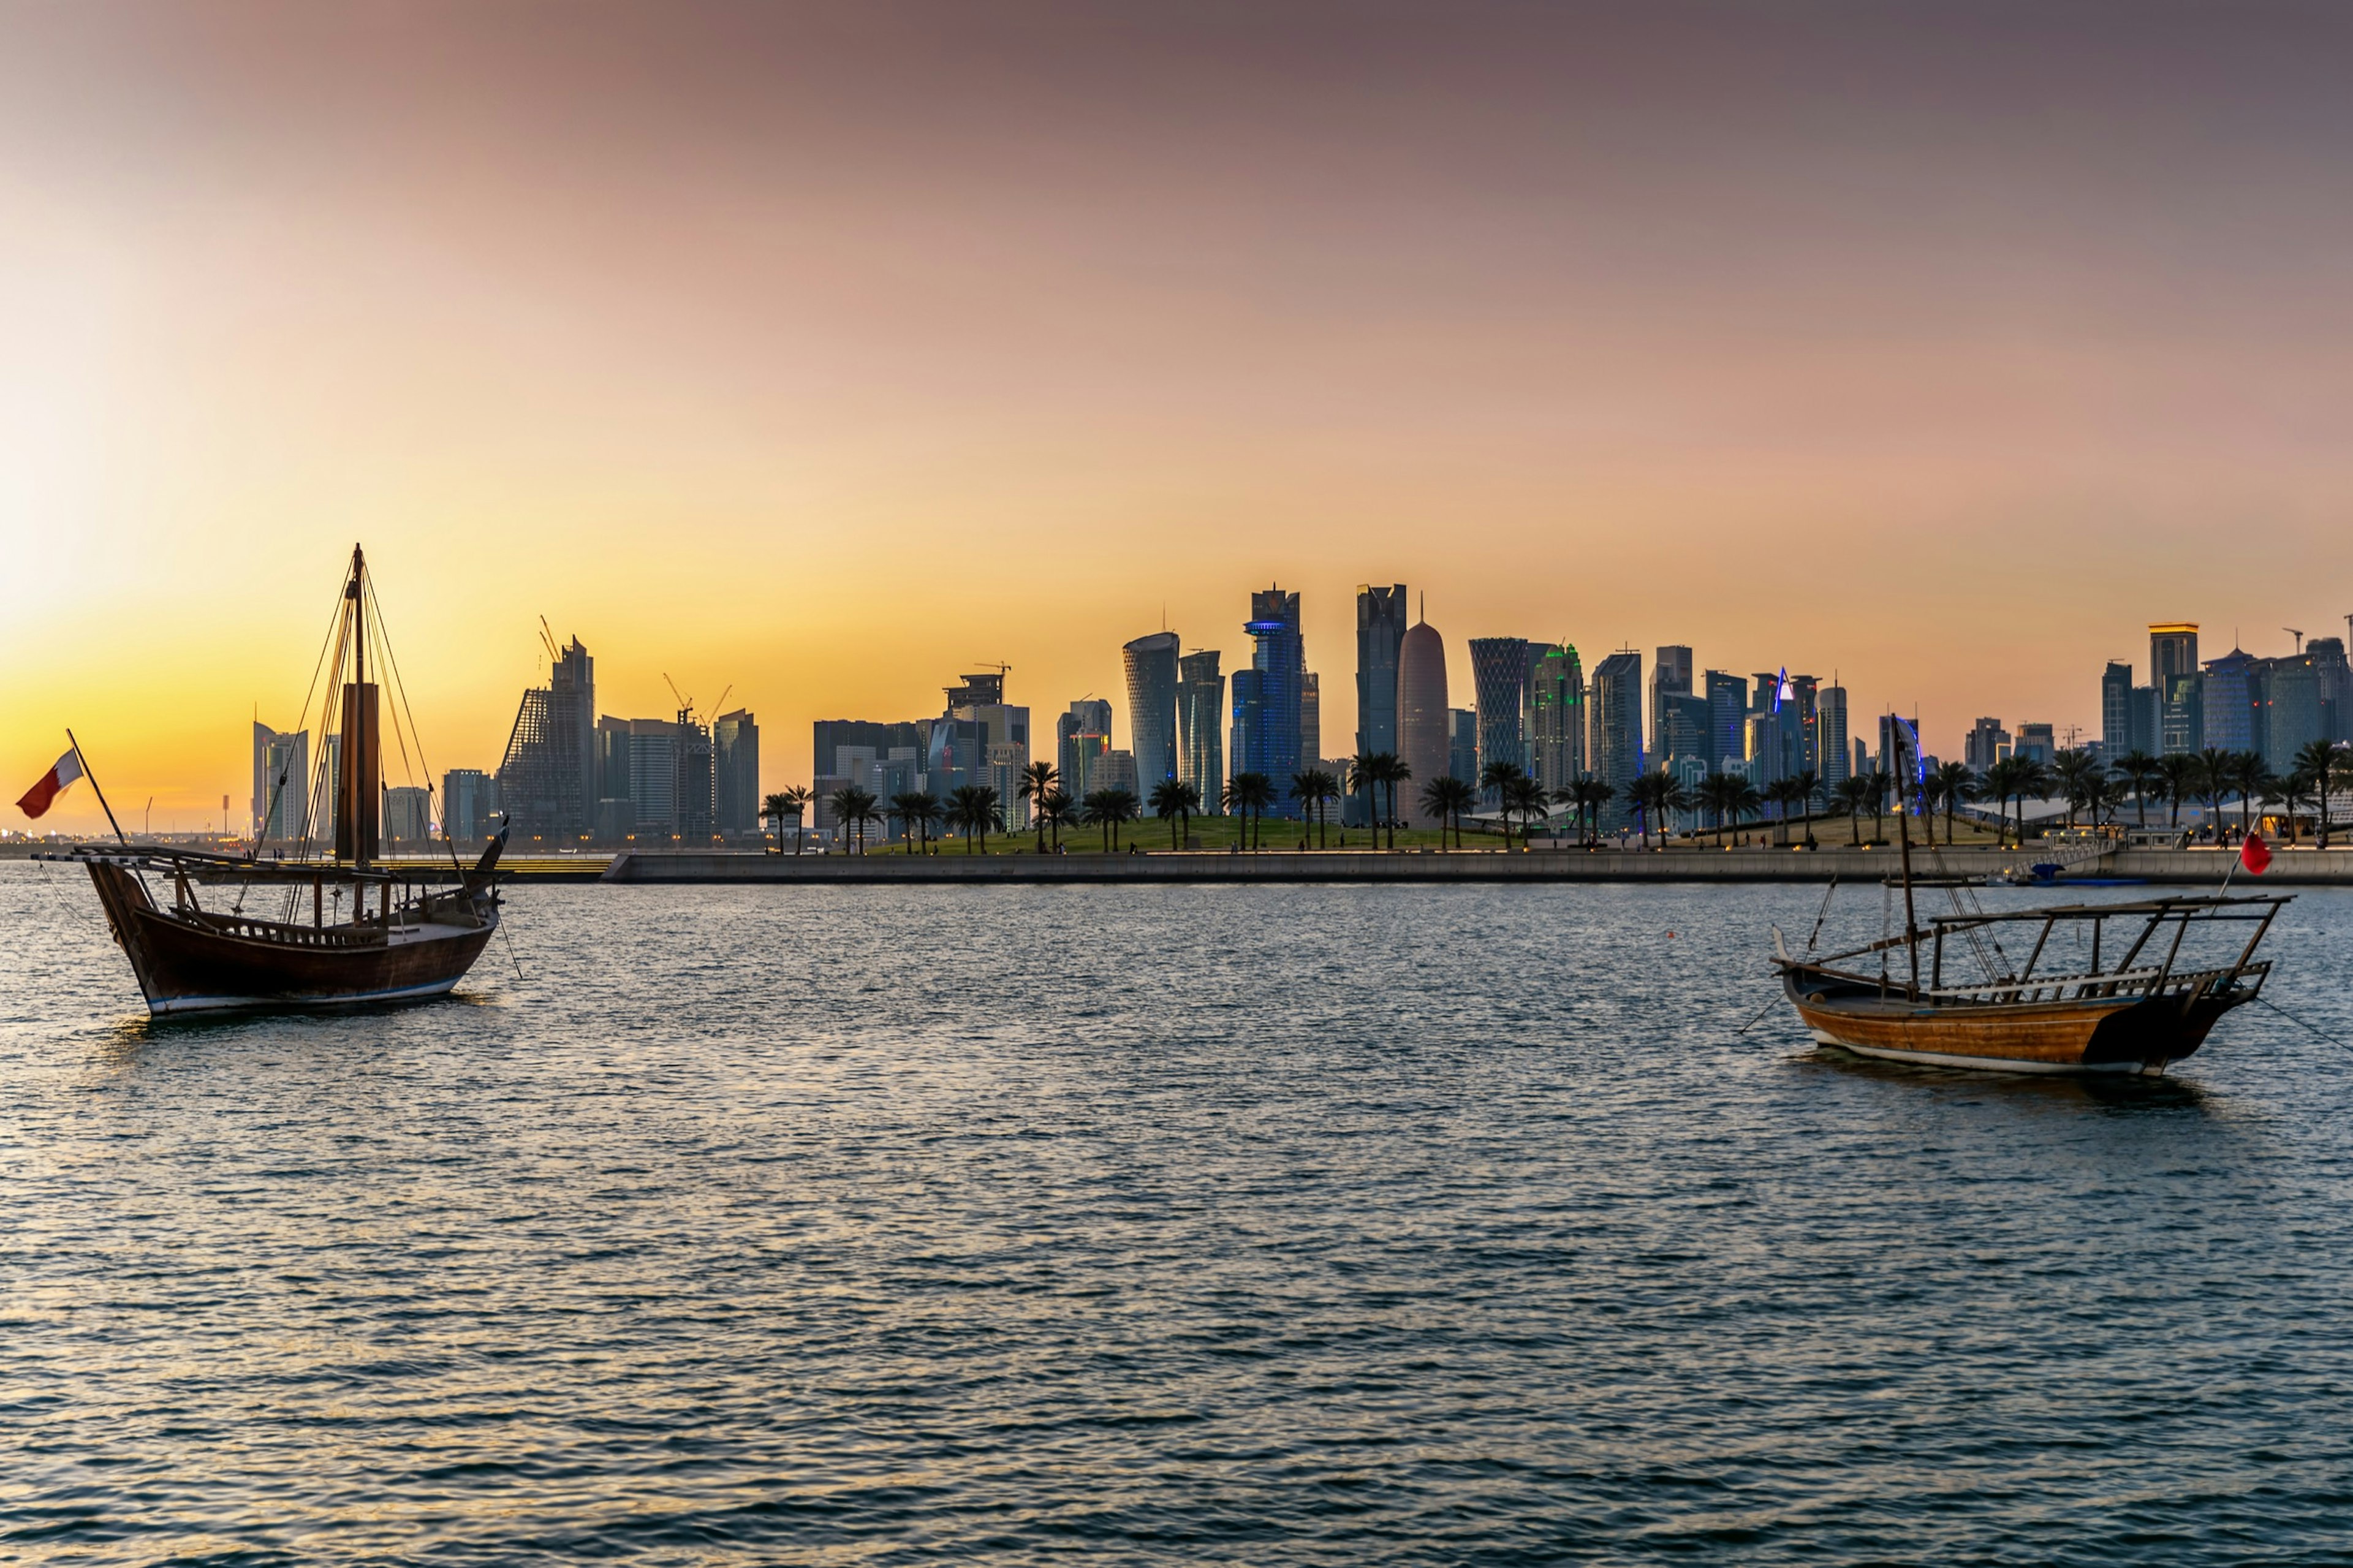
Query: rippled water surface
<point>1308,1224</point>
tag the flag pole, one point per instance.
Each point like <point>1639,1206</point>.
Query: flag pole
<point>95,790</point>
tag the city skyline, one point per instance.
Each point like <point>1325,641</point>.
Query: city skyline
<point>1943,354</point>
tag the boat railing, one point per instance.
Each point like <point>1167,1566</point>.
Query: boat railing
<point>285,935</point>
<point>2148,982</point>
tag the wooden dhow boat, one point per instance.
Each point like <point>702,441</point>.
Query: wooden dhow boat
<point>2179,965</point>
<point>287,938</point>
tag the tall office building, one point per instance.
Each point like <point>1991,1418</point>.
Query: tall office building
<point>2145,731</point>
<point>2115,708</point>
<point>1768,745</point>
<point>2035,743</point>
<point>981,741</point>
<point>1498,678</point>
<point>548,775</point>
<point>1200,727</point>
<point>1671,675</point>
<point>1801,722</point>
<point>1311,719</point>
<point>407,817</point>
<point>1614,706</point>
<point>1081,742</point>
<point>1266,696</point>
<point>281,784</point>
<point>1727,718</point>
<point>469,806</point>
<point>1987,743</point>
<point>693,791</point>
<point>1831,742</point>
<point>1380,635</point>
<point>2287,705</point>
<point>1556,715</point>
<point>2230,702</point>
<point>2172,652</point>
<point>736,774</point>
<point>1152,677</point>
<point>1424,720</point>
<point>1462,744</point>
<point>2335,686</point>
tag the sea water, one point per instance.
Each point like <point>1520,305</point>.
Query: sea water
<point>1301,1225</point>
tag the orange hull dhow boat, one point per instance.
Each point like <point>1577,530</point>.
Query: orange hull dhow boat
<point>395,933</point>
<point>2182,965</point>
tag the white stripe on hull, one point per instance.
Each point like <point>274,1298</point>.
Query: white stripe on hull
<point>225,1004</point>
<point>1983,1064</point>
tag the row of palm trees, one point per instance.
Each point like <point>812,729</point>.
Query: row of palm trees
<point>2094,791</point>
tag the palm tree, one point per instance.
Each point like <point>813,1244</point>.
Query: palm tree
<point>854,808</point>
<point>1781,794</point>
<point>2178,771</point>
<point>2254,780</point>
<point>1058,807</point>
<point>793,803</point>
<point>774,806</point>
<point>2078,773</point>
<point>1307,789</point>
<point>2291,789</point>
<point>2216,776</point>
<point>1589,795</point>
<point>1852,794</point>
<point>925,807</point>
<point>1808,790</point>
<point>1248,796</point>
<point>1525,797</point>
<point>1882,784</point>
<point>1389,771</point>
<point>908,807</point>
<point>2322,767</point>
<point>1107,809</point>
<point>1364,779</point>
<point>1447,798</point>
<point>973,809</point>
<point>1496,779</point>
<point>1171,801</point>
<point>2142,772</point>
<point>1955,786</point>
<point>1037,780</point>
<point>2028,777</point>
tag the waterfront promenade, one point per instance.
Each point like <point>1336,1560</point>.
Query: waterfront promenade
<point>2198,868</point>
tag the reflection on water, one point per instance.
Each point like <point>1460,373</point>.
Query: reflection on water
<point>1308,1224</point>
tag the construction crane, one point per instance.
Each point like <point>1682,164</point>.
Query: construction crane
<point>547,636</point>
<point>721,703</point>
<point>2299,639</point>
<point>685,703</point>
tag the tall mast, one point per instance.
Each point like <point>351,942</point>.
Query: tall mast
<point>1904,835</point>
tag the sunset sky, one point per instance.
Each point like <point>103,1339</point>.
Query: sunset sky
<point>827,352</point>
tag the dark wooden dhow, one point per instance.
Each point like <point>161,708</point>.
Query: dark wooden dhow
<point>2147,1009</point>
<point>399,945</point>
<point>406,934</point>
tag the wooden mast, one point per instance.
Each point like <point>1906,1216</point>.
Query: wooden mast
<point>1903,836</point>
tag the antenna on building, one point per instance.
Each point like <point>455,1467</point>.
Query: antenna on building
<point>2299,639</point>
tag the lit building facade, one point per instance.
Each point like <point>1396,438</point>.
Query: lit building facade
<point>1499,680</point>
<point>1152,729</point>
<point>1201,726</point>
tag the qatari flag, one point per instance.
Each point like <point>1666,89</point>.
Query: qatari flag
<point>53,784</point>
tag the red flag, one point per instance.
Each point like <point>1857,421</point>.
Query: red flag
<point>2254,854</point>
<point>53,784</point>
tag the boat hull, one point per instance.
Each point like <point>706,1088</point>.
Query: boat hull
<point>183,967</point>
<point>2111,1035</point>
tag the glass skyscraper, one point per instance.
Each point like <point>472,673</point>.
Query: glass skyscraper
<point>1267,695</point>
<point>1499,680</point>
<point>1201,726</point>
<point>1556,716</point>
<point>1380,634</point>
<point>1614,705</point>
<point>1152,707</point>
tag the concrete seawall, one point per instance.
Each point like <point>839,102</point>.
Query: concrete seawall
<point>2200,867</point>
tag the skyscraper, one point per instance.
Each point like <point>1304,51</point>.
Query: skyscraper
<point>2334,679</point>
<point>735,772</point>
<point>548,775</point>
<point>1380,634</point>
<point>1987,743</point>
<point>2115,708</point>
<point>1267,695</point>
<point>1830,708</point>
<point>1081,741</point>
<point>1462,744</point>
<point>1614,704</point>
<point>2290,708</point>
<point>1556,716</point>
<point>1423,724</point>
<point>1727,718</point>
<point>282,784</point>
<point>982,740</point>
<point>1311,719</point>
<point>469,806</point>
<point>2230,702</point>
<point>2172,652</point>
<point>1671,675</point>
<point>1498,678</point>
<point>1201,726</point>
<point>1151,678</point>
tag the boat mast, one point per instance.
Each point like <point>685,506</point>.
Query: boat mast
<point>1903,836</point>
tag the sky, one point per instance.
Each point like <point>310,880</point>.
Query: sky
<point>820,354</point>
